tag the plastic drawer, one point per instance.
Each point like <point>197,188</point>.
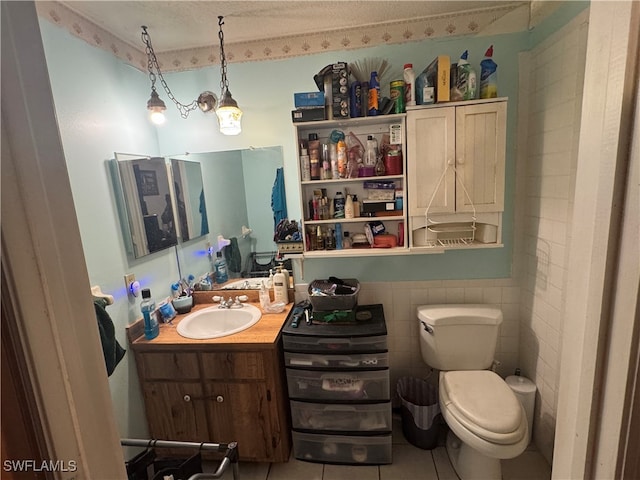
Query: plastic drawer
<point>374,417</point>
<point>335,344</point>
<point>343,449</point>
<point>361,360</point>
<point>338,385</point>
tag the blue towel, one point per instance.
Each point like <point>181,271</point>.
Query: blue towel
<point>278,199</point>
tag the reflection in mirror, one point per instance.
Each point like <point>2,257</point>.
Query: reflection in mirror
<point>144,183</point>
<point>189,199</point>
<point>238,185</point>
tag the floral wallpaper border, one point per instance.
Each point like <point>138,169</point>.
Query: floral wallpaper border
<point>466,23</point>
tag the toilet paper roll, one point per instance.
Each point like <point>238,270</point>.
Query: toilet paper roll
<point>525,390</point>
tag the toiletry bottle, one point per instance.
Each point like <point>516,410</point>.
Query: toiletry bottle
<point>330,240</point>
<point>287,277</point>
<point>338,235</point>
<point>342,158</point>
<point>220,266</point>
<point>314,156</point>
<point>319,239</point>
<point>280,291</point>
<point>265,300</point>
<point>333,158</point>
<point>270,281</point>
<point>346,240</point>
<point>374,94</point>
<point>326,162</point>
<point>409,85</point>
<point>488,76</point>
<point>356,207</point>
<point>371,155</point>
<point>305,165</point>
<point>147,307</point>
<point>338,205</point>
<point>348,207</point>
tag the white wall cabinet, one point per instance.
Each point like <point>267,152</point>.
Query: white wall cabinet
<point>455,168</point>
<point>394,220</point>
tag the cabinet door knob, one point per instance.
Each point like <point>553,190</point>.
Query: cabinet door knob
<point>461,161</point>
<point>187,398</point>
<point>451,161</point>
<point>219,399</point>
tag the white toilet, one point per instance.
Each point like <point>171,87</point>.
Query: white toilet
<point>487,421</point>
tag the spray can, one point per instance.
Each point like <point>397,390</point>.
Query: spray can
<point>396,92</point>
<point>374,94</point>
<point>409,85</point>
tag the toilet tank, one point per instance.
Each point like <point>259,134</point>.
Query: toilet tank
<point>459,337</point>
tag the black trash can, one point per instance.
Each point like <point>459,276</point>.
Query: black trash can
<point>419,409</point>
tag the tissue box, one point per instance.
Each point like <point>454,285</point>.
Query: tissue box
<point>308,99</point>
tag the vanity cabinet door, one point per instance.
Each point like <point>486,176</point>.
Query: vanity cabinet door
<point>176,411</point>
<point>241,412</point>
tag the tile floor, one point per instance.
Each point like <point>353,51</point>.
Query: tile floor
<point>409,463</point>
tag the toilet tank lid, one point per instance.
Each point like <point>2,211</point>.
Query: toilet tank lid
<point>472,314</point>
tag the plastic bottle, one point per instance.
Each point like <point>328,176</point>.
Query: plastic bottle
<point>348,207</point>
<point>356,207</point>
<point>466,78</point>
<point>280,291</point>
<point>265,299</point>
<point>319,239</point>
<point>342,158</point>
<point>333,157</point>
<point>326,162</point>
<point>370,156</point>
<point>305,165</point>
<point>314,156</point>
<point>409,85</point>
<point>346,240</point>
<point>338,234</point>
<point>374,94</point>
<point>338,205</point>
<point>147,307</point>
<point>220,268</point>
<point>488,75</point>
<point>287,281</point>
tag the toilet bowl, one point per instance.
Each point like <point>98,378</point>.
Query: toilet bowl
<point>487,421</point>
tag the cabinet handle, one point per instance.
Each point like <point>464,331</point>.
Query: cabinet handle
<point>219,399</point>
<point>451,161</point>
<point>187,398</point>
<point>461,161</point>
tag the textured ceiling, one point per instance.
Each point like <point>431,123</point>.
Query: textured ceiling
<point>185,33</point>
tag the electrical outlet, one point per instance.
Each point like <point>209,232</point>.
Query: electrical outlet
<point>129,278</point>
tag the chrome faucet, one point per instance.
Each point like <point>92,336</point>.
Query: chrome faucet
<point>230,303</point>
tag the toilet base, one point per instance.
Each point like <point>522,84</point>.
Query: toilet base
<point>469,463</point>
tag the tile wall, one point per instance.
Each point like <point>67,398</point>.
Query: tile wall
<point>551,83</point>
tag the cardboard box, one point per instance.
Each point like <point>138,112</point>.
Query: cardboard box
<point>437,73</point>
<point>308,114</point>
<point>308,99</point>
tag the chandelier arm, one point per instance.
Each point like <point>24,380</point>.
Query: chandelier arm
<point>152,63</point>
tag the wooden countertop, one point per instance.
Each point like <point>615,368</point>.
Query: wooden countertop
<point>266,332</point>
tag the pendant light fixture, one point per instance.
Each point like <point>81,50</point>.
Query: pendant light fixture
<point>228,112</point>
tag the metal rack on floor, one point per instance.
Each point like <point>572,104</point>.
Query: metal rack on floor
<point>147,458</point>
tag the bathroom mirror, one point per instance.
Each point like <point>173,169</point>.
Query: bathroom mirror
<point>189,197</point>
<point>146,200</point>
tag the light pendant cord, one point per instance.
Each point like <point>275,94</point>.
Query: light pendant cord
<point>152,63</point>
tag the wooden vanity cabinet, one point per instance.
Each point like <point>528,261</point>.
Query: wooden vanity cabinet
<point>218,394</point>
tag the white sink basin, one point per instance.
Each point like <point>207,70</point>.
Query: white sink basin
<point>214,322</point>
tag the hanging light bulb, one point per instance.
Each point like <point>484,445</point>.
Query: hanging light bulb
<point>156,107</point>
<point>206,101</point>
<point>228,113</point>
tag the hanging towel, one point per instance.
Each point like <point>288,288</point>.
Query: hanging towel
<point>112,350</point>
<point>204,222</point>
<point>278,198</point>
<point>232,256</point>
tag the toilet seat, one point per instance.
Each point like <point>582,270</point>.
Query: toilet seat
<point>484,405</point>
